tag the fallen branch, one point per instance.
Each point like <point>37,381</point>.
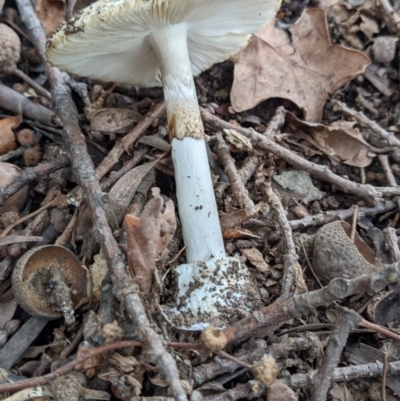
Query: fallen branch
<point>123,287</point>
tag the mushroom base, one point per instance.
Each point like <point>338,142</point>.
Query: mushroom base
<point>215,292</point>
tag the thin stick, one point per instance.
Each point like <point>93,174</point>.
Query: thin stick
<point>234,359</point>
<point>238,188</point>
<point>39,89</point>
<point>384,374</point>
<point>354,223</point>
<point>27,217</point>
<point>379,329</point>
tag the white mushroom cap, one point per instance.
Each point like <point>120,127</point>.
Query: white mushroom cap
<point>107,40</point>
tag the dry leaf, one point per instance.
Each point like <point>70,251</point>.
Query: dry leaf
<point>255,257</point>
<point>304,67</point>
<point>340,141</point>
<point>89,363</point>
<point>279,391</point>
<point>7,136</point>
<point>237,139</point>
<point>51,14</point>
<point>98,270</point>
<point>168,225</point>
<point>114,121</point>
<point>142,238</point>
<point>124,363</point>
<point>340,392</point>
<point>234,233</point>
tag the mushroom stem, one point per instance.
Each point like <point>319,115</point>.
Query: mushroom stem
<point>196,200</point>
<point>211,286</point>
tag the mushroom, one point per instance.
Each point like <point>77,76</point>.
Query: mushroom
<point>165,42</point>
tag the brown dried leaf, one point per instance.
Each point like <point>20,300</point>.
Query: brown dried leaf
<point>340,141</point>
<point>255,257</point>
<point>89,363</point>
<point>121,194</point>
<point>168,225</point>
<point>340,392</point>
<point>124,363</point>
<point>234,233</point>
<point>305,69</point>
<point>7,136</point>
<point>237,139</point>
<point>118,121</point>
<point>51,14</point>
<point>142,237</point>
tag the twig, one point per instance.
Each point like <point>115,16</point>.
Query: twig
<point>15,239</point>
<point>27,217</point>
<point>31,174</point>
<point>366,192</point>
<point>15,102</point>
<point>265,320</point>
<point>384,374</point>
<point>293,280</point>
<point>384,160</point>
<point>128,140</point>
<point>354,223</point>
<point>13,153</point>
<point>379,329</point>
<point>309,263</point>
<point>116,175</point>
<point>123,287</point>
<point>39,89</point>
<point>391,17</point>
<point>343,214</point>
<point>392,240</point>
<point>389,137</point>
<point>232,358</point>
<point>238,188</point>
<point>346,320</point>
<point>66,235</point>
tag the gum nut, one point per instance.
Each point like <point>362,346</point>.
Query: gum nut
<point>336,255</point>
<point>32,279</point>
<point>9,173</point>
<point>10,49</point>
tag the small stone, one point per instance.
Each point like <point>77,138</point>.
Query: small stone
<point>384,49</point>
<point>299,182</point>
